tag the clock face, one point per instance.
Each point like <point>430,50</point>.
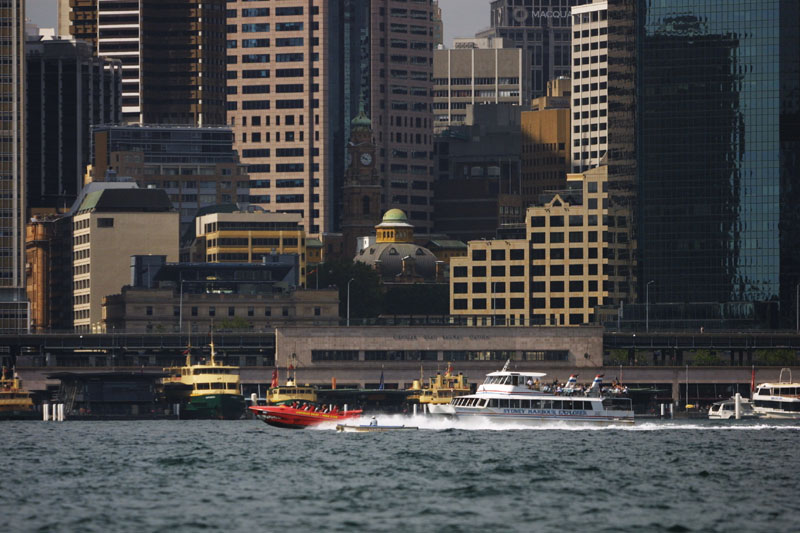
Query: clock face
<point>366,159</point>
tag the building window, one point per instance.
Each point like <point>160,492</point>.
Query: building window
<point>149,310</point>
<point>231,311</point>
<point>212,311</point>
<point>176,311</point>
<point>285,311</point>
<point>194,311</point>
<point>267,311</point>
<point>317,311</point>
<point>251,311</point>
<point>105,222</point>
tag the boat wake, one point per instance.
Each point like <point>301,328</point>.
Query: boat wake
<point>441,423</point>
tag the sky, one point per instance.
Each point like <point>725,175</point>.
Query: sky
<point>462,18</point>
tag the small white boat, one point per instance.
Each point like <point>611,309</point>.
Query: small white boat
<point>726,410</point>
<point>372,429</point>
<point>778,400</point>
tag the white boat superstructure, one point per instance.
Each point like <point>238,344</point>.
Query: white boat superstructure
<point>510,396</point>
<point>726,410</point>
<point>778,400</point>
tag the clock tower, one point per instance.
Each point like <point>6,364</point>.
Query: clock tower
<point>361,193</point>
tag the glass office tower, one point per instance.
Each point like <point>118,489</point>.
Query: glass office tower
<point>718,156</point>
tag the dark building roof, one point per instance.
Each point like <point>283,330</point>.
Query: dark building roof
<point>127,200</point>
<point>391,254</point>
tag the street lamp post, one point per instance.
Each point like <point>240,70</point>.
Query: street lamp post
<point>348,301</point>
<point>180,307</point>
<point>647,307</point>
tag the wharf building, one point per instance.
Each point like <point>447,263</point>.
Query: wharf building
<point>109,226</point>
<point>196,166</point>
<point>196,297</point>
<point>172,54</point>
<point>464,76</point>
<point>13,301</point>
<point>546,142</point>
<point>299,72</point>
<point>48,272</point>
<point>541,31</point>
<point>69,89</point>
<point>249,237</point>
<point>574,266</point>
<point>719,138</point>
<point>479,173</point>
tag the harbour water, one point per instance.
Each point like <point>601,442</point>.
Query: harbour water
<point>246,476</point>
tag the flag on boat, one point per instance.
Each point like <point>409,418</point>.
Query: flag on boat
<point>380,386</point>
<point>598,381</point>
<point>753,380</point>
<point>449,369</point>
<point>572,381</point>
<point>274,378</point>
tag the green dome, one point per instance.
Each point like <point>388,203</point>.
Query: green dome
<point>395,215</point>
<point>361,120</point>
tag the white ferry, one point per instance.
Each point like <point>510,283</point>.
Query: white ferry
<point>778,400</point>
<point>508,396</point>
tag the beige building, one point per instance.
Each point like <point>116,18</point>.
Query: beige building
<point>546,142</point>
<point>249,237</point>
<point>589,85</point>
<point>401,352</point>
<point>108,228</point>
<point>575,264</point>
<point>298,73</point>
<point>138,309</point>
<point>475,76</point>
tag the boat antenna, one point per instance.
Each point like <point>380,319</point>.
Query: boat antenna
<point>211,344</point>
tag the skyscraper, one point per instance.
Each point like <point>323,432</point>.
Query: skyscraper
<point>69,90</point>
<point>13,302</point>
<point>718,156</point>
<point>299,72</point>
<point>541,30</point>
<point>173,55</point>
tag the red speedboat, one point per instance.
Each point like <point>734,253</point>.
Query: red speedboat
<point>300,415</point>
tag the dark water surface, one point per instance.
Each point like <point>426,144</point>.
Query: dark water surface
<point>246,476</point>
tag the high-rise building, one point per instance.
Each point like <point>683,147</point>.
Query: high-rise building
<point>718,145</point>
<point>298,73</point>
<point>198,167</point>
<point>172,54</point>
<point>542,31</point>
<point>466,76</point>
<point>13,302</point>
<point>69,89</point>
<point>546,142</point>
<point>109,226</point>
<point>570,269</point>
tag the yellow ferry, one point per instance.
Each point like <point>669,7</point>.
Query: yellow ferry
<point>15,402</point>
<point>440,389</point>
<point>210,388</point>
<point>291,391</point>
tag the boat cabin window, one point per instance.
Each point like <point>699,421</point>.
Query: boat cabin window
<point>515,403</point>
<point>514,380</point>
<point>503,403</point>
<point>547,404</point>
<point>536,404</point>
<point>617,404</point>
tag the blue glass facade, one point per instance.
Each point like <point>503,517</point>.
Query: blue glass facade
<point>718,99</point>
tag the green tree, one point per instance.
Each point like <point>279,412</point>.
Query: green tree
<point>417,299</point>
<point>776,357</point>
<point>706,358</point>
<point>235,323</point>
<point>616,357</point>
<point>366,296</point>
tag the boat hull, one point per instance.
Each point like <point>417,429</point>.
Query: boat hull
<point>539,419</point>
<point>20,414</point>
<point>373,429</point>
<point>287,417</point>
<point>214,406</point>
